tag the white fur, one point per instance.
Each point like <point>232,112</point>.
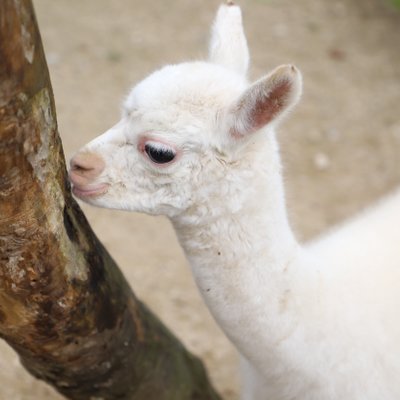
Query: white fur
<point>318,322</point>
<point>228,45</point>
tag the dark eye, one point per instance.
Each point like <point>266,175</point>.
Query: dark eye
<point>159,153</point>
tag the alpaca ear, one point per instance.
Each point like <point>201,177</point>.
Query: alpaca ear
<point>265,101</point>
<point>228,45</point>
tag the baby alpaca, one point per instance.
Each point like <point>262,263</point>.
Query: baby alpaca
<point>196,143</point>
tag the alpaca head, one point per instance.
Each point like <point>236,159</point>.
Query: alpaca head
<point>184,127</point>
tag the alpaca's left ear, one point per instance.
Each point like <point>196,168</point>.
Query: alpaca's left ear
<point>228,45</point>
<point>265,101</point>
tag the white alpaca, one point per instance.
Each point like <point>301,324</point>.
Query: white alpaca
<point>196,142</point>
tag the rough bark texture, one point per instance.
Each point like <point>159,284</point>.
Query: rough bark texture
<point>64,305</point>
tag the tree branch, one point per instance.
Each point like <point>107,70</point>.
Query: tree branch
<point>64,305</point>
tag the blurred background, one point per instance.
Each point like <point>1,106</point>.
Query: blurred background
<point>340,148</point>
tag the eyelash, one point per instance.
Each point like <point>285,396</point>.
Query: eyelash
<point>159,153</point>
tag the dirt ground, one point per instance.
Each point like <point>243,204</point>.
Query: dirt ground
<point>341,147</point>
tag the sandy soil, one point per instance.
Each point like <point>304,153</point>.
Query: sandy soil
<point>340,148</point>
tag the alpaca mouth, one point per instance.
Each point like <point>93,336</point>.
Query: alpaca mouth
<point>84,192</point>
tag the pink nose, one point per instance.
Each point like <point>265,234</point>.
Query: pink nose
<point>85,168</point>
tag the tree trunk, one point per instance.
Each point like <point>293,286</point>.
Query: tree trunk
<point>64,305</point>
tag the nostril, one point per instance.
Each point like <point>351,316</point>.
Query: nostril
<point>77,165</point>
<point>87,165</point>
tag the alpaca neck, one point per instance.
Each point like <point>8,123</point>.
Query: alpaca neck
<point>242,260</point>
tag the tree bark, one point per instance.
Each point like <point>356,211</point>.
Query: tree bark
<point>64,305</point>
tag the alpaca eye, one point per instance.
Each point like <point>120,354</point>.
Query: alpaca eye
<point>159,153</point>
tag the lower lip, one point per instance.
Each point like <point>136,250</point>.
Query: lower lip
<point>94,192</point>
